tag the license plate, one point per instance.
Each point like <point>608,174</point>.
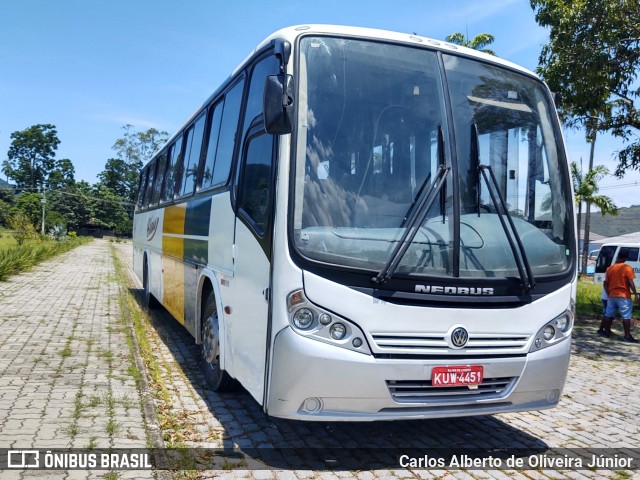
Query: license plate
<point>457,375</point>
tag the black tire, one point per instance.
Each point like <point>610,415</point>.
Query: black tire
<point>216,377</point>
<point>149,300</point>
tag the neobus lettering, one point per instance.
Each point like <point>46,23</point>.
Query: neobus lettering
<point>454,290</point>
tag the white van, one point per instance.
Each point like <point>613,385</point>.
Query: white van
<point>608,255</point>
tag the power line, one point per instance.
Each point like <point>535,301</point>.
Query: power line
<point>81,195</point>
<point>622,185</point>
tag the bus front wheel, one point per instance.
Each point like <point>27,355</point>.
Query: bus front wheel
<point>216,377</point>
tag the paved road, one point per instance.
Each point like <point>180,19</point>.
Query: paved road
<point>65,365</point>
<point>66,381</point>
<point>599,409</point>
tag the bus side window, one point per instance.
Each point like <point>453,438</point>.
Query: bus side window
<point>149,186</point>
<point>256,189</point>
<point>171,177</point>
<point>160,173</point>
<point>215,118</point>
<point>632,253</point>
<point>228,133</point>
<point>193,147</point>
<point>141,188</point>
<point>265,67</point>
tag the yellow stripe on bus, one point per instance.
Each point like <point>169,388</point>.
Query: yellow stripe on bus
<point>174,219</point>
<point>172,260</point>
<point>173,271</point>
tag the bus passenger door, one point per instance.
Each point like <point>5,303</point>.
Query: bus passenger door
<point>248,323</point>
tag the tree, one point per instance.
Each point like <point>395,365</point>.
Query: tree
<point>31,155</point>
<point>479,42</point>
<point>120,178</point>
<point>592,60</point>
<point>586,191</point>
<point>133,150</point>
<point>29,203</point>
<point>109,210</point>
<point>73,202</point>
<point>139,147</point>
<point>62,175</point>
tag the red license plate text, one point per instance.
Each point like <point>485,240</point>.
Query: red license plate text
<point>457,375</point>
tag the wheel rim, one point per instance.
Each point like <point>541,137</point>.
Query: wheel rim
<point>210,343</point>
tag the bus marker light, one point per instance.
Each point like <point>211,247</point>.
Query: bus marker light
<point>562,322</point>
<point>295,298</point>
<point>338,331</point>
<point>228,310</point>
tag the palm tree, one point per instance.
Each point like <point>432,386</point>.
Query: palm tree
<point>586,189</point>
<point>477,43</point>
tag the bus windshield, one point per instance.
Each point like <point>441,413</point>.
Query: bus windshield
<point>380,124</point>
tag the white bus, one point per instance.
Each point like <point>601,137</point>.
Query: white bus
<point>367,225</point>
<point>608,255</point>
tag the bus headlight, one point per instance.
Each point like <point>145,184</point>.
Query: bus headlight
<point>303,318</point>
<point>554,331</point>
<point>314,322</point>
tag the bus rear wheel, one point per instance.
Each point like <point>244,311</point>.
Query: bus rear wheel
<point>216,377</point>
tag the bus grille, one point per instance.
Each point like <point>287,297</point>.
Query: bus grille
<point>436,344</point>
<point>422,391</point>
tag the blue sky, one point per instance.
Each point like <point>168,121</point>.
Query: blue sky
<point>91,66</point>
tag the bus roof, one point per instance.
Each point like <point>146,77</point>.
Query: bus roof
<point>291,34</point>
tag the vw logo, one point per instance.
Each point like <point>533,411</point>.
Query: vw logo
<point>459,337</point>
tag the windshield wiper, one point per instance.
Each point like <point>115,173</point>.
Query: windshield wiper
<point>517,248</point>
<point>415,220</point>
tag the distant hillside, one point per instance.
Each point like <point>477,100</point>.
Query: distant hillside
<point>627,221</point>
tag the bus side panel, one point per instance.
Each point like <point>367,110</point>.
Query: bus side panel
<point>173,275</point>
<point>220,261</point>
<point>221,233</point>
<point>196,254</point>
<point>172,260</point>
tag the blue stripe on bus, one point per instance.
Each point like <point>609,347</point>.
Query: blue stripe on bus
<point>197,217</point>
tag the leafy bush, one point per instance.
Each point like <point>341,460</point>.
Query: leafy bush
<point>22,227</point>
<point>22,257</point>
<point>58,233</point>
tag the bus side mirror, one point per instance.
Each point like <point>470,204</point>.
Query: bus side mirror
<point>278,104</point>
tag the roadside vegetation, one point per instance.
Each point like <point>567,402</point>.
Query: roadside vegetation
<point>588,303</point>
<point>16,258</point>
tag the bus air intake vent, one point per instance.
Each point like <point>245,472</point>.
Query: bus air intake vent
<point>422,391</point>
<point>436,344</point>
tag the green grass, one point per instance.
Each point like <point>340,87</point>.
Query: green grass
<point>6,240</point>
<point>19,258</point>
<point>588,301</point>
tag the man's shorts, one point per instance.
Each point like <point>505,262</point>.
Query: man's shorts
<point>625,305</point>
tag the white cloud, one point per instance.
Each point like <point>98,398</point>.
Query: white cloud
<point>123,119</point>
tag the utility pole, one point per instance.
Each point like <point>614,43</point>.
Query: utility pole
<point>44,202</point>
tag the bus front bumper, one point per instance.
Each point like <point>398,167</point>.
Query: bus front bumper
<point>311,380</point>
